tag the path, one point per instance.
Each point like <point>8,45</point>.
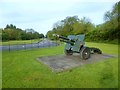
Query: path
<point>43,43</point>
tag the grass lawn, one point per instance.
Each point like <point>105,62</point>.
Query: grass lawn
<point>15,42</point>
<point>20,69</point>
<point>0,70</point>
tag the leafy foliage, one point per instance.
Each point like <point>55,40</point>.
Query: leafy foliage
<point>10,32</point>
<point>71,25</point>
<point>106,31</point>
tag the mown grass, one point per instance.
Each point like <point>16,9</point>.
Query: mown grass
<point>16,42</point>
<point>20,69</point>
<point>0,70</point>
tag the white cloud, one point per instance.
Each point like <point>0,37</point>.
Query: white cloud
<point>42,14</point>
<point>56,1</point>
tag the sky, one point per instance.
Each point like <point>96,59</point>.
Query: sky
<point>40,15</point>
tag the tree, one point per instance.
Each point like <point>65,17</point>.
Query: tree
<point>113,14</point>
<point>73,25</point>
<point>35,35</point>
<point>5,36</point>
<point>41,35</point>
<point>68,24</point>
<point>29,36</point>
<point>10,32</point>
<point>23,35</point>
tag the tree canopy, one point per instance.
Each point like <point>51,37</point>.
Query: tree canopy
<point>10,32</point>
<point>73,25</point>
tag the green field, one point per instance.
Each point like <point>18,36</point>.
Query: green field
<point>0,70</point>
<point>20,69</point>
<point>15,42</point>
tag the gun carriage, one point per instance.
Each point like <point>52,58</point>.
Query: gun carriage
<point>76,44</point>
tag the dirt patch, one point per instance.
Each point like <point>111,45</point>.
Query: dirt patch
<point>60,63</point>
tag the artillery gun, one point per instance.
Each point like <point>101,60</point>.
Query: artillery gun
<point>76,44</point>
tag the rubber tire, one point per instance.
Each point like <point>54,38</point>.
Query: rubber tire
<point>95,50</point>
<point>85,53</point>
<point>68,52</point>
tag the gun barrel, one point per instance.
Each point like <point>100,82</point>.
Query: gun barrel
<point>64,39</point>
<point>56,35</point>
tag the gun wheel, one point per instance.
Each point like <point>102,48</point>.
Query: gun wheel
<point>68,52</point>
<point>85,53</point>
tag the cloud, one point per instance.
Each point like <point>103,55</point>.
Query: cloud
<point>56,1</point>
<point>42,14</point>
<point>28,10</point>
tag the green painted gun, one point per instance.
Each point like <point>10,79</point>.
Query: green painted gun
<point>76,44</point>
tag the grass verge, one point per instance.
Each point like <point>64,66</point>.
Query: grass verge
<point>16,42</point>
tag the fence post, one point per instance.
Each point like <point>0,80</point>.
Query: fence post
<point>56,41</point>
<point>48,44</point>
<point>38,45</point>
<point>24,45</point>
<point>9,47</point>
<point>43,42</point>
<point>17,46</point>
<point>38,42</point>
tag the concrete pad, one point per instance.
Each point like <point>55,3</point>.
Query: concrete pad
<point>60,63</point>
